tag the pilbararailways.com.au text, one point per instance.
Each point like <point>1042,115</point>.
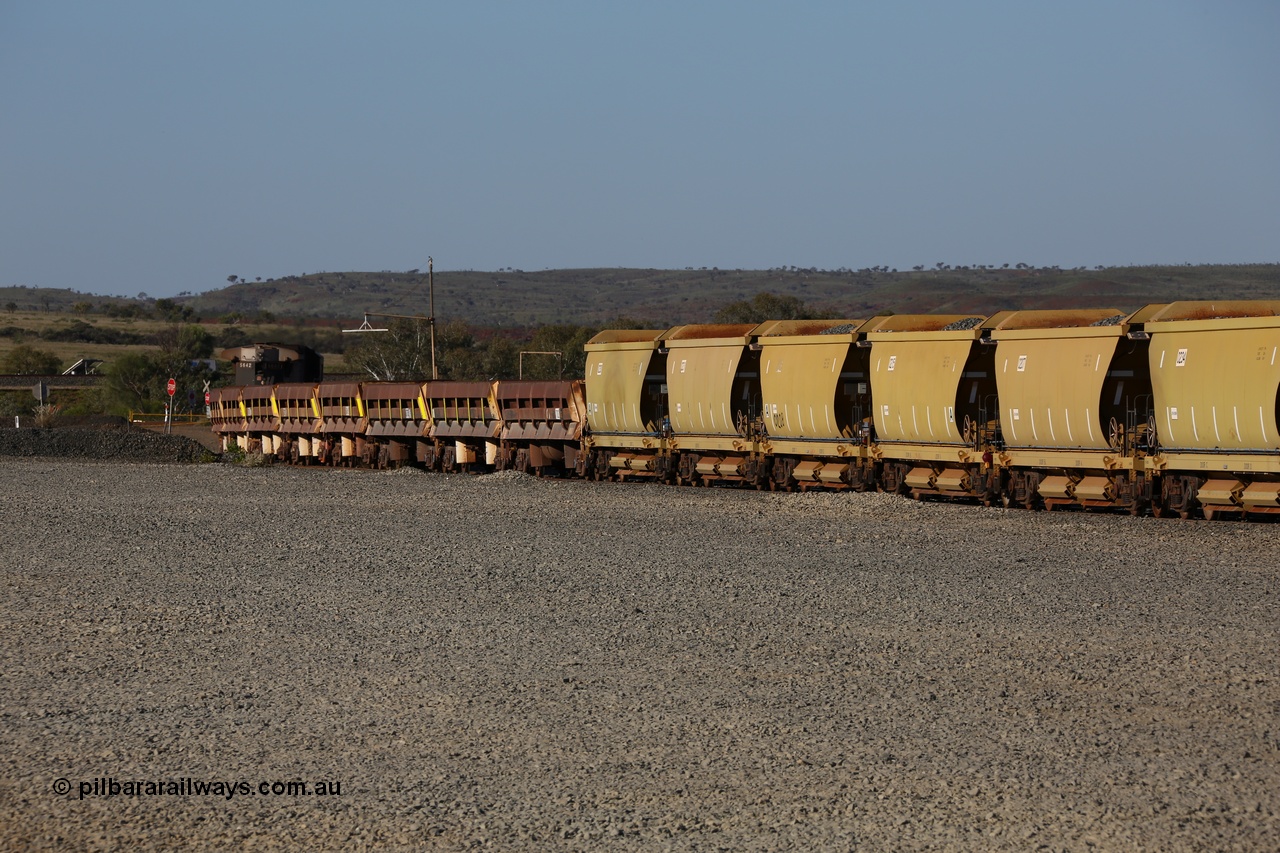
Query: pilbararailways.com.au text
<point>188,786</point>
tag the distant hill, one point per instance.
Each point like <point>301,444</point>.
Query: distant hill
<point>590,297</point>
<point>669,297</point>
<point>59,299</point>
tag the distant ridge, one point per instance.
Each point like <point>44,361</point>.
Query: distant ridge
<point>594,296</point>
<point>515,298</point>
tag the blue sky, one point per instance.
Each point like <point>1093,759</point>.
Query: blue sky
<point>159,147</point>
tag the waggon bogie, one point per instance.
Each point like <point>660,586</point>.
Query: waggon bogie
<point>600,469</point>
<point>537,460</point>
<point>585,466</point>
<point>941,481</point>
<point>426,455</point>
<point>687,473</point>
<point>1217,496</point>
<point>755,471</point>
<point>706,469</point>
<point>789,473</point>
<point>467,457</point>
<point>1134,492</point>
<point>1178,493</point>
<point>1062,488</point>
<point>622,465</point>
<point>893,477</point>
<point>1022,489</point>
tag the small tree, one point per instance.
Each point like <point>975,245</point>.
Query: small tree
<point>498,359</point>
<point>167,309</point>
<point>133,382</point>
<point>456,352</point>
<point>27,360</point>
<point>564,339</point>
<point>765,306</point>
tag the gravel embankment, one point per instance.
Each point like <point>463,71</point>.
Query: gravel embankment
<point>505,663</point>
<point>122,445</point>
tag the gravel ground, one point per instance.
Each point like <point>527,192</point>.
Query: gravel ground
<point>506,663</point>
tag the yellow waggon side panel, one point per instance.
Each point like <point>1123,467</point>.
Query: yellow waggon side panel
<point>1215,388</point>
<point>798,382</point>
<point>1050,390</point>
<point>700,387</point>
<point>615,379</point>
<point>914,384</point>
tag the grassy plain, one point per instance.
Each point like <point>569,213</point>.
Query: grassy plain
<point>33,328</point>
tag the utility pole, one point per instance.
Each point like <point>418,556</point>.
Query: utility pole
<point>431,313</point>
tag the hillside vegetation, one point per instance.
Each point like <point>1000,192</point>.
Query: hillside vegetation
<point>515,298</point>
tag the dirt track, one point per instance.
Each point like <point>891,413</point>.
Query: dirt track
<point>504,663</point>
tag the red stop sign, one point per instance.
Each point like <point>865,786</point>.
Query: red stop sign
<point>172,387</point>
<point>208,398</point>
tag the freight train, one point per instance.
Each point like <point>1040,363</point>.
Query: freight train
<point>1168,410</point>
